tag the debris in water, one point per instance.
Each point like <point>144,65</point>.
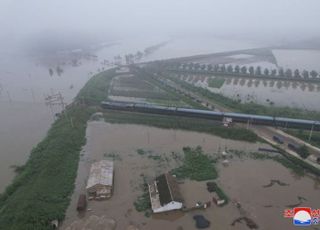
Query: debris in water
<point>249,222</point>
<point>272,182</point>
<point>201,221</point>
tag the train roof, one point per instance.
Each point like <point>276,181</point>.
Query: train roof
<point>209,112</point>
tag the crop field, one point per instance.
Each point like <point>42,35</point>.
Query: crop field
<point>132,86</point>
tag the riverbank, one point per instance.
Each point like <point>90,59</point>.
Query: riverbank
<point>43,186</point>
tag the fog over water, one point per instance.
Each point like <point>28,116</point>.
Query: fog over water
<point>47,25</point>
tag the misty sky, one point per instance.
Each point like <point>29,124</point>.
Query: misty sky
<point>30,19</point>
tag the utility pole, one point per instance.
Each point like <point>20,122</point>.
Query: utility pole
<point>9,97</point>
<point>57,99</point>
<point>311,131</point>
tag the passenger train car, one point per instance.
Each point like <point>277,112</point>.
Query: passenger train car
<point>208,114</point>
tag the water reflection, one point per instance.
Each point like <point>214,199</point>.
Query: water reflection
<point>279,92</point>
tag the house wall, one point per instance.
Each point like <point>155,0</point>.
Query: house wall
<point>168,207</point>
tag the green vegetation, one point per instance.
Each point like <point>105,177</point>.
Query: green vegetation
<point>252,108</point>
<point>304,135</point>
<point>154,80</point>
<point>171,122</point>
<point>221,194</point>
<point>303,151</point>
<point>200,167</point>
<point>41,191</point>
<point>196,166</point>
<point>236,71</point>
<point>141,152</point>
<point>142,203</point>
<point>96,89</point>
<point>216,82</point>
<point>283,160</point>
<point>113,156</point>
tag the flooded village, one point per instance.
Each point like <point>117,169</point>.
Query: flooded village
<point>141,154</point>
<point>152,115</point>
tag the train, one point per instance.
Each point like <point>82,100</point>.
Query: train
<point>213,115</point>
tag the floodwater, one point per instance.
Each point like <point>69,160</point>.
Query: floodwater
<point>24,117</point>
<point>267,92</point>
<point>25,82</point>
<point>298,59</point>
<point>242,180</point>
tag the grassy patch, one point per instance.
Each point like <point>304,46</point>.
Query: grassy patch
<point>142,203</point>
<point>216,82</point>
<point>285,161</point>
<point>251,108</point>
<point>171,122</point>
<point>42,189</point>
<point>196,166</point>
<point>141,152</point>
<point>304,135</point>
<point>96,89</point>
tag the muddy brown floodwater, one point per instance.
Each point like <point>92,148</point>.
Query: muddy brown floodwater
<point>244,180</point>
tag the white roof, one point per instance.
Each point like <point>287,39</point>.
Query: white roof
<point>101,172</point>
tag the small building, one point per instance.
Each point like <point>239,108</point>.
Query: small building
<point>100,182</point>
<point>165,194</point>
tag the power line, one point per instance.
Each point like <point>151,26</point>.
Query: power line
<point>57,99</point>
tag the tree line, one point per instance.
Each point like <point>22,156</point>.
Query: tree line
<point>257,71</point>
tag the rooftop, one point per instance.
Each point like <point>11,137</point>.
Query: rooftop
<point>101,172</point>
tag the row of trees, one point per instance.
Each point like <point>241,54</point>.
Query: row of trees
<point>244,70</point>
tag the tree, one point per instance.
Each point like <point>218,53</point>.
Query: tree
<point>281,72</point>
<point>244,70</point>
<point>303,151</point>
<point>59,70</point>
<point>230,69</point>
<point>223,68</point>
<point>197,66</point>
<point>50,72</point>
<point>237,69</point>
<point>305,74</point>
<point>139,55</point>
<point>273,72</point>
<point>258,70</point>
<point>251,70</point>
<point>184,66</point>
<point>216,68</point>
<point>266,72</point>
<point>314,74</point>
<point>288,73</point>
<point>296,74</point>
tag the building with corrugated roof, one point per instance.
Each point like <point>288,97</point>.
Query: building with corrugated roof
<point>100,182</point>
<point>165,194</point>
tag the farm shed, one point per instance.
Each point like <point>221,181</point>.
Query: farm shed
<point>165,194</point>
<point>100,182</point>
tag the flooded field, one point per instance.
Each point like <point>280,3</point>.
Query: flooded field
<point>132,88</point>
<point>25,82</point>
<point>298,59</point>
<point>267,92</point>
<point>243,180</point>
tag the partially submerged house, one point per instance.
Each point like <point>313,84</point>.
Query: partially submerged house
<point>165,194</point>
<point>100,182</point>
